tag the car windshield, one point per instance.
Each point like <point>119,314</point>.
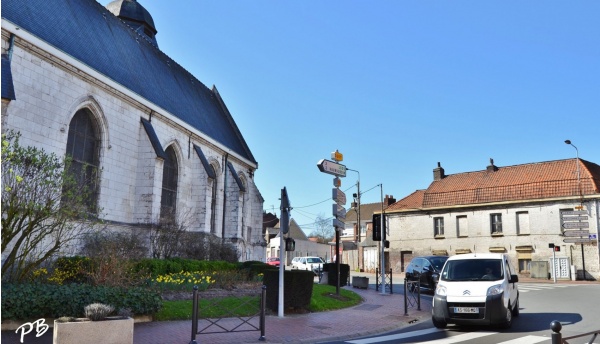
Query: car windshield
<point>438,262</point>
<point>473,270</point>
<point>314,260</point>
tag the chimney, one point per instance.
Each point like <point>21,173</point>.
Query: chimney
<point>438,173</point>
<point>492,167</point>
<point>388,200</point>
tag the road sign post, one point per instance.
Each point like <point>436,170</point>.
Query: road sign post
<point>339,197</point>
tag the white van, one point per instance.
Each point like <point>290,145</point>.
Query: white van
<point>476,289</point>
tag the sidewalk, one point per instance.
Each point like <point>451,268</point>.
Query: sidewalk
<point>377,313</point>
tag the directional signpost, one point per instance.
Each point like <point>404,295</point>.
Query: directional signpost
<point>339,197</point>
<point>572,223</point>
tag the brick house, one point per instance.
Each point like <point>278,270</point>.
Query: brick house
<point>518,210</point>
<point>76,74</point>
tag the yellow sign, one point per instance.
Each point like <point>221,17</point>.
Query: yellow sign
<point>337,156</point>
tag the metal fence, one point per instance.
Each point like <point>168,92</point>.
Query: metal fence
<point>231,323</point>
<point>412,295</point>
<point>384,282</point>
<point>557,338</point>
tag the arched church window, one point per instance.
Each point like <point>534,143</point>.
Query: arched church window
<point>83,149</point>
<point>169,184</point>
<point>213,203</point>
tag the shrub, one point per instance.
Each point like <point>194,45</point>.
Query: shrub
<point>70,270</point>
<point>156,267</point>
<point>297,288</point>
<point>97,311</point>
<point>32,301</point>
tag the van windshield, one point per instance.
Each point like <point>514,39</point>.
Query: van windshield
<point>473,270</point>
<point>314,260</point>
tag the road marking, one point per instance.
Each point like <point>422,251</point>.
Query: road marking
<point>449,340</point>
<point>395,336</point>
<point>526,340</point>
<point>461,338</point>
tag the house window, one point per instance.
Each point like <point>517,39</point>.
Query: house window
<point>524,265</point>
<point>169,184</point>
<point>83,148</point>
<point>496,223</point>
<point>523,223</point>
<point>438,226</point>
<point>462,229</point>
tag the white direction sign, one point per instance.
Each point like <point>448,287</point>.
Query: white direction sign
<point>574,212</point>
<point>330,167</point>
<point>574,218</point>
<point>338,196</point>
<point>339,211</point>
<point>577,240</point>
<point>568,225</point>
<point>576,233</point>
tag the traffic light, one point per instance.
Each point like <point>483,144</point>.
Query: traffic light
<point>290,244</point>
<point>378,232</point>
<point>556,248</point>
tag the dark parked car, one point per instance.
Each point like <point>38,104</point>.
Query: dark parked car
<point>425,269</point>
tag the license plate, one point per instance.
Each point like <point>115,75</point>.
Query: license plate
<point>466,310</point>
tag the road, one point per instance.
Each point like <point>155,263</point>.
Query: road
<point>574,305</point>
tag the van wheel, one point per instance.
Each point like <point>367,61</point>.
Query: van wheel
<point>439,323</point>
<point>515,310</point>
<point>508,320</point>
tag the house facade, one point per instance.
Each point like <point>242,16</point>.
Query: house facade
<point>90,82</point>
<point>520,210</point>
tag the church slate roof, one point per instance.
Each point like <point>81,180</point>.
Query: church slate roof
<point>534,181</point>
<point>88,32</point>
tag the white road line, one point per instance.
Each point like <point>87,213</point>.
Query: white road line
<point>526,340</point>
<point>461,338</point>
<point>449,340</point>
<point>395,336</point>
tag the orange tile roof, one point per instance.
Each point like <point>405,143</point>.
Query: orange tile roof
<point>510,183</point>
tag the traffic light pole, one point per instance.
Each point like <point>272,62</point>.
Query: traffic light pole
<point>284,227</point>
<point>382,244</point>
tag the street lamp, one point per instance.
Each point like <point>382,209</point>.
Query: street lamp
<point>580,202</point>
<point>578,172</point>
<point>357,236</point>
<point>357,199</point>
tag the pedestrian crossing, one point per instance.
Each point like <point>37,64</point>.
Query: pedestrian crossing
<point>527,287</point>
<point>471,337</point>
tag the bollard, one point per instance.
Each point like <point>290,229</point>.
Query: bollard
<point>194,315</point>
<point>391,283</point>
<point>263,306</point>
<point>405,297</point>
<point>376,279</point>
<point>419,295</point>
<point>555,326</point>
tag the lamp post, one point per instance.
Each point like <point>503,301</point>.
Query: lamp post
<point>357,235</point>
<point>580,201</point>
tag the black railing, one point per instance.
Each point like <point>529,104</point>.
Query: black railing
<point>557,338</point>
<point>244,323</point>
<point>412,295</point>
<point>386,281</point>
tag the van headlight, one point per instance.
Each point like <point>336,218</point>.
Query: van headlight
<point>495,290</point>
<point>441,290</point>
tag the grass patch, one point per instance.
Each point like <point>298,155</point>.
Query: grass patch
<point>323,299</point>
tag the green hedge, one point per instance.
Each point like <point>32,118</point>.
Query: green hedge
<point>297,288</point>
<point>34,301</point>
<point>158,267</point>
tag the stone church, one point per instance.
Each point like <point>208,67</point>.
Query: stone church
<point>91,82</point>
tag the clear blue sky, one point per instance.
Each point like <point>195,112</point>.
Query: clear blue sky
<point>396,86</point>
